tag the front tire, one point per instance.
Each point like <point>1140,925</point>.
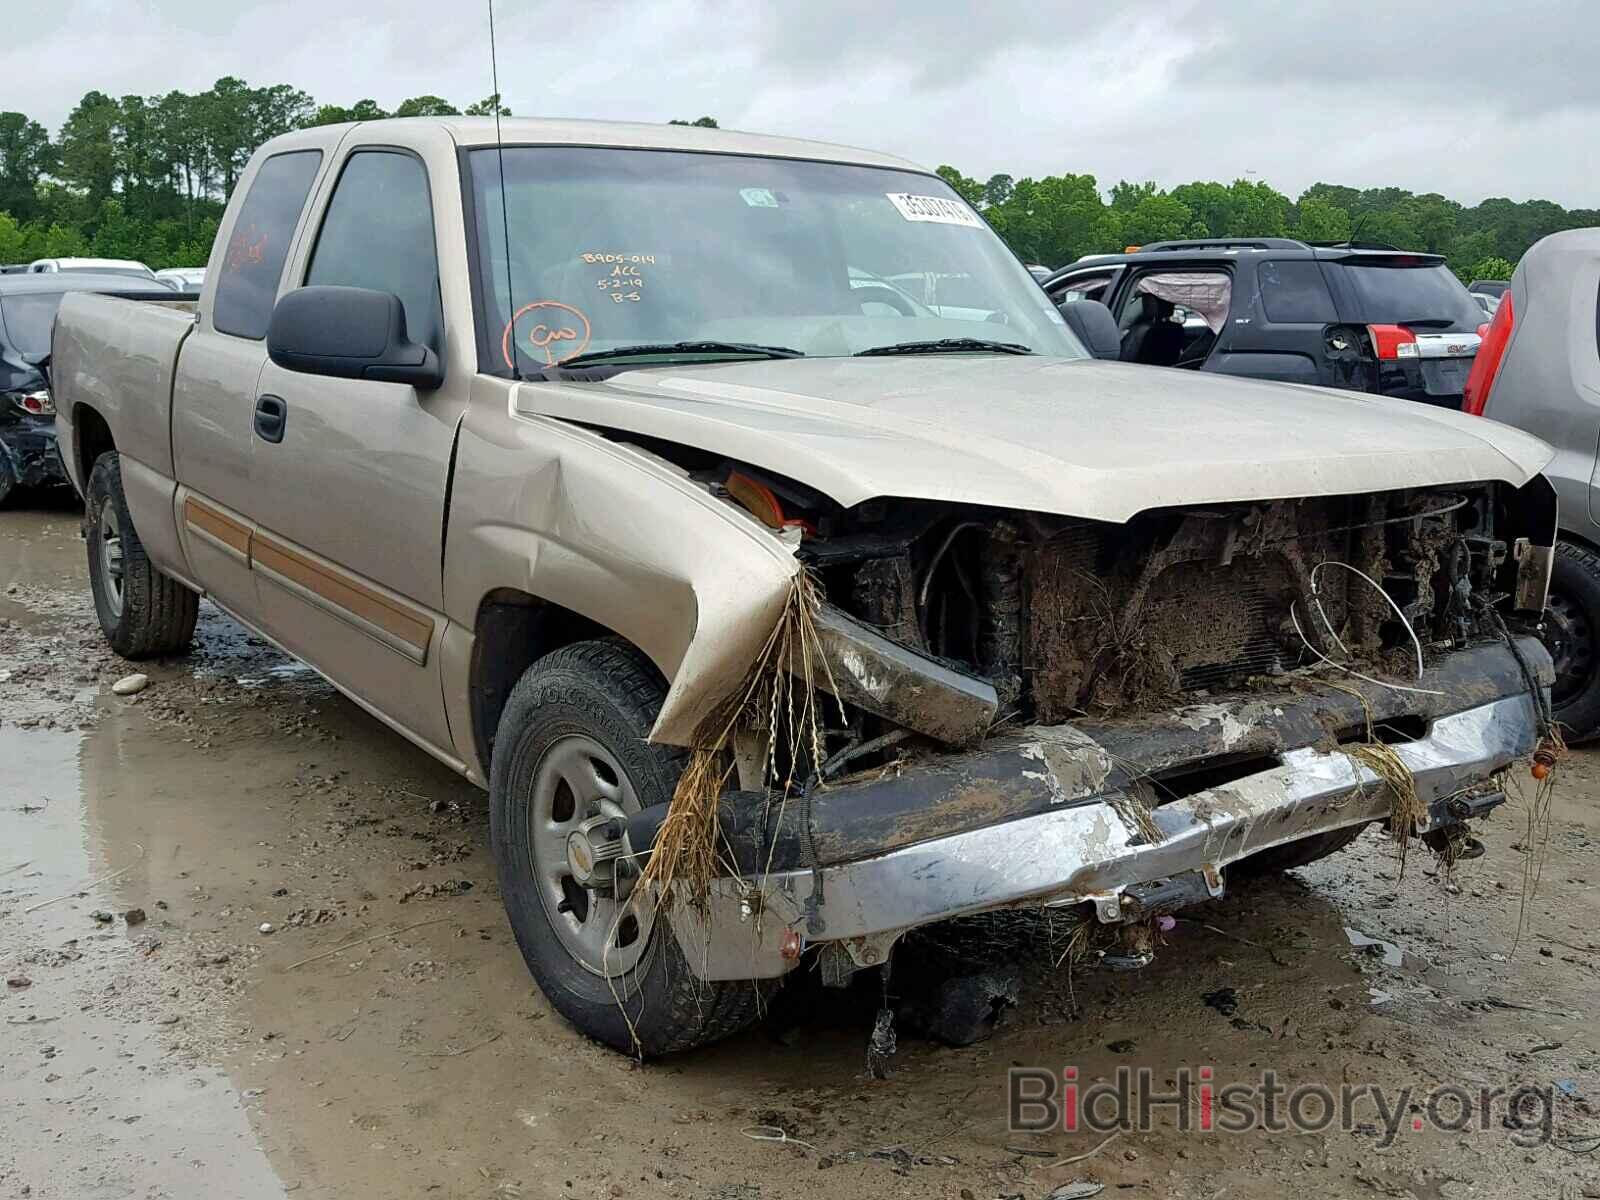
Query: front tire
<point>1572,635</point>
<point>143,612</point>
<point>573,746</point>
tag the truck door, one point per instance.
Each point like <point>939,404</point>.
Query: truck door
<point>215,388</point>
<point>351,474</point>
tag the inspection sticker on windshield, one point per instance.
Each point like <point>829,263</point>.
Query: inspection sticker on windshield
<point>937,209</point>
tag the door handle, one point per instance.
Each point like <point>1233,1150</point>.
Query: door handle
<point>272,414</point>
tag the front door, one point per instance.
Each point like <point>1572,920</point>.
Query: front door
<point>352,473</point>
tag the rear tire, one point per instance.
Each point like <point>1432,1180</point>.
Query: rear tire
<point>8,479</point>
<point>1572,635</point>
<point>579,720</point>
<point>1295,854</point>
<point>143,612</point>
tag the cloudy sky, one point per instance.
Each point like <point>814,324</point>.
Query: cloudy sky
<point>1470,98</point>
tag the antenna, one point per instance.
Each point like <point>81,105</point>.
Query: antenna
<point>505,221</point>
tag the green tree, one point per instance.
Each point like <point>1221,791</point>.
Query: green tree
<point>427,106</point>
<point>25,156</point>
<point>491,105</point>
<point>998,190</point>
<point>1155,218</point>
<point>89,145</point>
<point>1056,219</point>
<point>1125,196</point>
<point>1492,267</point>
<point>1317,219</point>
<point>361,110</point>
<point>969,190</point>
<point>702,122</point>
<point>13,240</point>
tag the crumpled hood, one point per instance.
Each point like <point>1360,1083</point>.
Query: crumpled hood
<point>1084,438</point>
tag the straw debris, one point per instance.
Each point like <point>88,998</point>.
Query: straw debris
<point>777,701</point>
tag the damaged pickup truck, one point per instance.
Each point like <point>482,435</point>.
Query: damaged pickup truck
<point>744,517</point>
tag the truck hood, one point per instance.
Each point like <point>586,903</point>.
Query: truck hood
<point>1084,438</point>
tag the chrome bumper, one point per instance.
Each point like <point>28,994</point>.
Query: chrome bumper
<point>1082,849</point>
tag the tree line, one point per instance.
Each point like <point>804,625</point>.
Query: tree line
<point>1056,219</point>
<point>146,177</point>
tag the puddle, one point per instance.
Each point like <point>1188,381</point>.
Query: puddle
<point>104,1099</point>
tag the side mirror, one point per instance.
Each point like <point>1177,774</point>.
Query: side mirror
<point>1095,326</point>
<point>349,333</point>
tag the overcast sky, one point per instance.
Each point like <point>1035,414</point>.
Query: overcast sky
<point>1470,98</point>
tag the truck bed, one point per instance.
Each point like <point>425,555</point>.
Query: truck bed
<point>119,356</point>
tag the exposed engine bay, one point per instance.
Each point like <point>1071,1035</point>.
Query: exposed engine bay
<point>1069,618</point>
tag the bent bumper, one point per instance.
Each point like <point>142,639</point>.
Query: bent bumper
<point>1121,814</point>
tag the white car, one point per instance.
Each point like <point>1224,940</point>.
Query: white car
<point>101,266</point>
<point>185,279</point>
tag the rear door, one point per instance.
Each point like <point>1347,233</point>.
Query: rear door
<point>353,476</point>
<point>1279,323</point>
<point>215,387</point>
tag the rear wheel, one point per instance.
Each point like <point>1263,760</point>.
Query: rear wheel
<point>143,612</point>
<point>572,756</point>
<point>1572,635</point>
<point>8,478</point>
<point>1296,854</point>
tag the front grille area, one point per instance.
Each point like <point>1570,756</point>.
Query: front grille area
<point>1117,617</point>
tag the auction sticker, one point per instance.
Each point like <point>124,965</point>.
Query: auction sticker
<point>938,209</point>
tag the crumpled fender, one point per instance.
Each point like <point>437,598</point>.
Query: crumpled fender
<point>618,535</point>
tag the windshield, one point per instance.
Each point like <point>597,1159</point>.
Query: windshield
<point>27,318</point>
<point>611,248</point>
<point>1396,295</point>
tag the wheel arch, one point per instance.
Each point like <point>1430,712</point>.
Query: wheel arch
<point>512,630</point>
<point>91,437</point>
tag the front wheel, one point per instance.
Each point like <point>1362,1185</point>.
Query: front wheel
<point>143,612</point>
<point>572,760</point>
<point>1571,627</point>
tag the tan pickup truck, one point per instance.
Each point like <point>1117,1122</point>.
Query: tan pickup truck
<point>537,450</point>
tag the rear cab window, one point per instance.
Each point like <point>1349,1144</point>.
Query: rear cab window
<point>247,284</point>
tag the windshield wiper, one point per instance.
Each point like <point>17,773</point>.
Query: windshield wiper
<point>750,349</point>
<point>947,346</point>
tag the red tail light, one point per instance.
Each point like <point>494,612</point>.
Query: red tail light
<point>1392,341</point>
<point>1486,365</point>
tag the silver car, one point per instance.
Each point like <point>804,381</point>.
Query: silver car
<point>1539,369</point>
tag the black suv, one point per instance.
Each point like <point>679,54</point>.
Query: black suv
<point>1365,317</point>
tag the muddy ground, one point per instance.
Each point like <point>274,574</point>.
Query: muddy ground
<point>193,1054</point>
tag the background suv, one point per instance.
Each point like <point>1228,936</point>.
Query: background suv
<point>1358,316</point>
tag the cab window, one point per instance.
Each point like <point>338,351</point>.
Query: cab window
<point>378,234</point>
<point>247,285</point>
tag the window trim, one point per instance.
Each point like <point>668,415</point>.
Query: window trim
<point>433,224</point>
<point>288,254</point>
